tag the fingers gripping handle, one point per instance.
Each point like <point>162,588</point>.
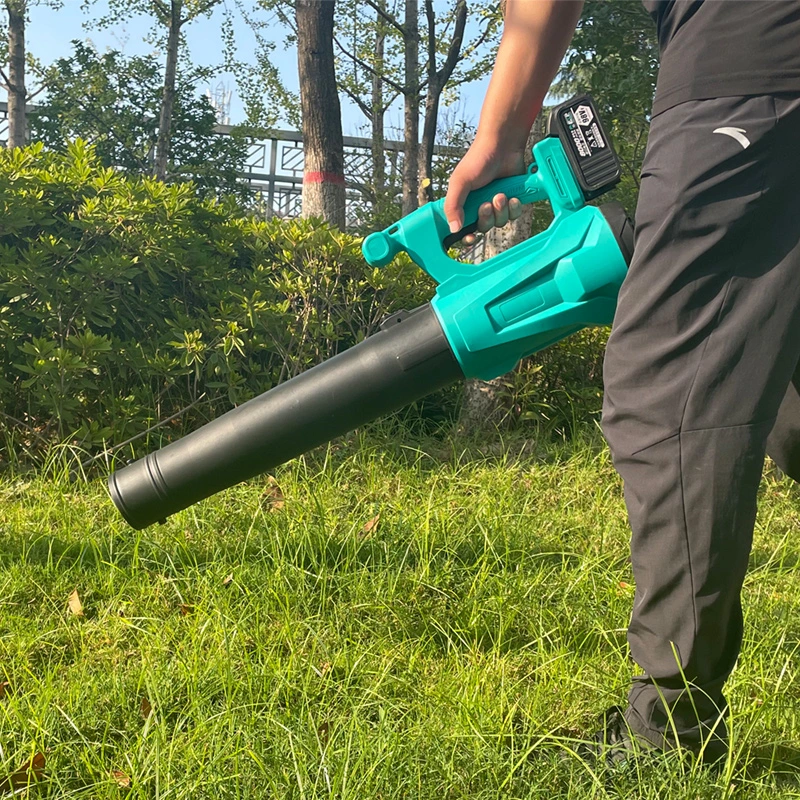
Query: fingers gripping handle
<point>417,232</point>
<point>526,188</point>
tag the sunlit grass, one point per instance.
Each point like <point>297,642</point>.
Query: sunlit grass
<point>451,650</point>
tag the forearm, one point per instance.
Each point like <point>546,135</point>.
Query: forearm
<point>535,37</point>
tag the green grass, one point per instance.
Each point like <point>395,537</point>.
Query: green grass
<point>450,652</point>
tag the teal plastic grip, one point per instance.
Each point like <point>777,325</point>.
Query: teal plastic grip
<point>527,188</point>
<point>532,295</point>
<point>421,234</point>
<point>415,233</point>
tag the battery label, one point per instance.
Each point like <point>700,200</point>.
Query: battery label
<point>584,131</point>
<point>594,137</point>
<point>584,115</point>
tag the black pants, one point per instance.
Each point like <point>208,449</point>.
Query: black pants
<point>703,348</point>
<point>783,445</point>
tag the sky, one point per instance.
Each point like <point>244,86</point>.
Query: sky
<point>51,32</point>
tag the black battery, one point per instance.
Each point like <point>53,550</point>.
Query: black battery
<point>587,144</point>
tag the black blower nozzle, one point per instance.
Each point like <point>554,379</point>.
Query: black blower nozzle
<point>408,358</point>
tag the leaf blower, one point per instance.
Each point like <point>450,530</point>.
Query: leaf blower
<point>483,319</point>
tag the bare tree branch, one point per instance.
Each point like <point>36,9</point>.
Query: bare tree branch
<point>387,105</point>
<point>287,20</point>
<point>25,425</point>
<point>37,92</point>
<point>364,65</point>
<point>472,46</point>
<point>461,81</point>
<point>443,75</point>
<point>430,67</point>
<point>365,109</point>
<point>163,422</point>
<point>388,17</point>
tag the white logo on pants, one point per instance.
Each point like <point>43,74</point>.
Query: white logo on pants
<point>736,133</point>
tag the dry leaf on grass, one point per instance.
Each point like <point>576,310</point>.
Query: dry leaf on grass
<point>30,772</point>
<point>145,708</point>
<point>5,689</point>
<point>322,668</point>
<point>74,604</point>
<point>323,731</point>
<point>228,580</point>
<point>273,494</point>
<point>121,779</point>
<point>186,609</point>
<point>370,525</point>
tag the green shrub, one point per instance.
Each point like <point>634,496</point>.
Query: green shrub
<point>561,388</point>
<point>123,301</point>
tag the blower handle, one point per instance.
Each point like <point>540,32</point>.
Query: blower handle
<point>573,164</point>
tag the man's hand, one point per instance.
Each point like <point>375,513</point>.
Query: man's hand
<point>535,37</point>
<point>481,165</point>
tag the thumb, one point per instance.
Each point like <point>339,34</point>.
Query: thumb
<point>457,191</point>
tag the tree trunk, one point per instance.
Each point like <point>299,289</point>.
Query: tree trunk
<point>425,188</point>
<point>437,80</point>
<point>378,115</point>
<point>168,98</point>
<point>17,95</point>
<point>411,134</point>
<point>323,172</point>
<point>484,403</point>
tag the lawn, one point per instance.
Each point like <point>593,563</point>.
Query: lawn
<point>385,619</point>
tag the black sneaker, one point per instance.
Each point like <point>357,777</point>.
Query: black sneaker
<point>614,745</point>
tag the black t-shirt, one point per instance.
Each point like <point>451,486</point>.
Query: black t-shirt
<point>720,48</point>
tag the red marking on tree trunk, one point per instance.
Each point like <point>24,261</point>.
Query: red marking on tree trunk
<point>323,177</point>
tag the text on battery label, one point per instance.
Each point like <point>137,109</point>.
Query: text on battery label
<point>595,138</point>
<point>584,115</point>
<point>580,144</point>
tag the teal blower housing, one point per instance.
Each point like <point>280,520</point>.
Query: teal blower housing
<point>482,320</point>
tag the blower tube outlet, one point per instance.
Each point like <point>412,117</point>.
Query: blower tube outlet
<point>408,358</point>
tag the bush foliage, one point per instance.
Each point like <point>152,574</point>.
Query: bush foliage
<point>123,300</point>
<point>126,304</point>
